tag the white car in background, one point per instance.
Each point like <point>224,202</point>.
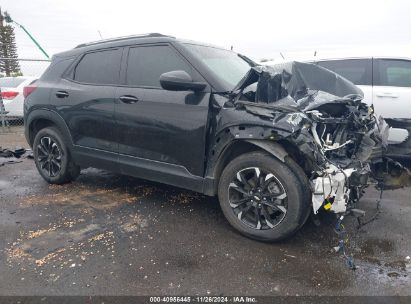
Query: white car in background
<point>384,75</point>
<point>12,94</point>
<point>386,83</point>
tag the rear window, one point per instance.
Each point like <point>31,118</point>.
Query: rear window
<point>56,68</point>
<point>11,82</point>
<point>396,73</point>
<point>358,71</point>
<point>102,67</point>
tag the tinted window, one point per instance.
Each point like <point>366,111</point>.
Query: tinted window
<point>147,63</point>
<point>357,71</point>
<point>11,82</point>
<point>395,73</point>
<point>99,67</point>
<point>56,69</point>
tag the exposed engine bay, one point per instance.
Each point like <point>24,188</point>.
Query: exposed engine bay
<point>342,140</point>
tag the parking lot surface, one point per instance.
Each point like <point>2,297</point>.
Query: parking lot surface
<point>107,234</point>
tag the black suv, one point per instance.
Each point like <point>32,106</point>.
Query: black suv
<point>206,119</point>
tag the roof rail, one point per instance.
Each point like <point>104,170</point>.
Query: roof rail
<point>122,38</point>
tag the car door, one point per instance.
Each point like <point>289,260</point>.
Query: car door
<point>159,129</point>
<point>392,97</point>
<point>85,99</point>
<point>392,87</point>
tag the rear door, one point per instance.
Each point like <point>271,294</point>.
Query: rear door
<point>85,99</point>
<point>162,129</point>
<point>392,87</point>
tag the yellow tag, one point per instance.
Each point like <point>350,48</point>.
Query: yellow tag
<point>328,206</point>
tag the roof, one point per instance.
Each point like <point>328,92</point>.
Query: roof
<point>116,42</point>
<point>344,52</point>
<point>128,40</point>
<point>149,35</point>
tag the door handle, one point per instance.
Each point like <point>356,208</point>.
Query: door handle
<point>387,94</point>
<point>128,99</point>
<point>62,94</point>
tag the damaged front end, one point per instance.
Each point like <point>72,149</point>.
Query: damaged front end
<point>342,141</point>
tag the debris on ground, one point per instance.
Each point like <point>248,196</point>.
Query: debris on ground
<point>10,156</point>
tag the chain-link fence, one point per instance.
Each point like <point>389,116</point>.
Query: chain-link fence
<point>12,87</point>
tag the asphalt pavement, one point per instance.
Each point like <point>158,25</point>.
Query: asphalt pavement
<point>107,234</point>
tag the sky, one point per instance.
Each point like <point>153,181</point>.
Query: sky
<point>258,29</point>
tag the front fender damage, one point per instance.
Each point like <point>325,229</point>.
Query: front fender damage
<point>273,148</point>
<point>341,140</point>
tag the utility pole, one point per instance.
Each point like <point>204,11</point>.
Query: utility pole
<point>1,18</point>
<point>2,109</point>
<point>8,19</point>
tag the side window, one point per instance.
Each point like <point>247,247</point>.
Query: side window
<point>357,71</point>
<point>390,72</point>
<point>146,63</point>
<point>102,67</point>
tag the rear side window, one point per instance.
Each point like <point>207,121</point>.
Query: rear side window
<point>390,72</point>
<point>358,71</point>
<point>11,82</point>
<point>56,68</point>
<point>101,67</point>
<point>146,63</point>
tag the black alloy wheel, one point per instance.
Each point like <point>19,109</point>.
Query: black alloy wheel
<point>49,156</point>
<point>53,158</point>
<point>258,198</point>
<point>263,197</point>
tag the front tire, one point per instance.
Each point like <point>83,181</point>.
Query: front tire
<point>52,158</point>
<point>262,197</point>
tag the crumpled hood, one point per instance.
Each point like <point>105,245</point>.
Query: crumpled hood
<point>296,80</point>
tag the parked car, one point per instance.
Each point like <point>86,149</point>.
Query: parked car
<point>12,94</point>
<point>273,143</point>
<point>386,83</point>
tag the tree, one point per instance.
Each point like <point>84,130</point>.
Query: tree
<point>8,49</point>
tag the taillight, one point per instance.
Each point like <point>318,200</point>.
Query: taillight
<point>9,95</point>
<point>28,90</point>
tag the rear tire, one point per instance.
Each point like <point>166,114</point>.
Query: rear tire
<point>262,197</point>
<point>52,158</point>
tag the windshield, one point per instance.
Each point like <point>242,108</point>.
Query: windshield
<point>10,82</point>
<point>226,65</point>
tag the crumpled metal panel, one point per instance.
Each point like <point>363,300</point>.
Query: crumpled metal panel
<point>317,111</point>
<point>298,80</point>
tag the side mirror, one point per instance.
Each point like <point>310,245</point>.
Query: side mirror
<point>180,81</point>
